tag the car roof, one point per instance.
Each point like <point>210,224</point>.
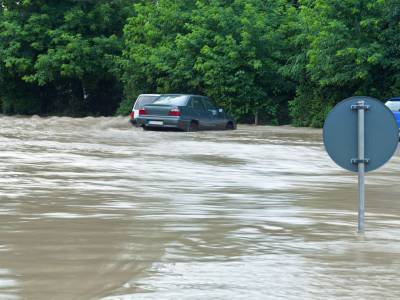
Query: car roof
<point>149,95</point>
<point>189,95</point>
<point>393,99</point>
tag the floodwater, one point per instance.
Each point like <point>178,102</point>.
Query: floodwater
<point>95,209</point>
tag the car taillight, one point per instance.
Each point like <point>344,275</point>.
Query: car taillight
<point>174,112</point>
<point>132,115</point>
<point>142,112</point>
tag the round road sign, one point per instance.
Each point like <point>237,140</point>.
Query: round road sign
<point>341,130</point>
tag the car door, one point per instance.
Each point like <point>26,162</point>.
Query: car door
<point>198,111</point>
<point>214,117</point>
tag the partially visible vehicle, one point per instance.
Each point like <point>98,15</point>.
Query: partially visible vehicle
<point>140,102</point>
<point>184,112</point>
<point>394,105</point>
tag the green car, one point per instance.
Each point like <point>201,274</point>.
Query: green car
<point>184,112</point>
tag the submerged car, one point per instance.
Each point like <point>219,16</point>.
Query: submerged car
<point>394,105</point>
<point>140,102</point>
<point>184,112</point>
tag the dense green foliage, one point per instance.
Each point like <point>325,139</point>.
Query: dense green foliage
<point>57,56</point>
<point>274,61</point>
<point>345,48</point>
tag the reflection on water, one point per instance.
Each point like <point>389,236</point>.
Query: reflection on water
<point>95,209</point>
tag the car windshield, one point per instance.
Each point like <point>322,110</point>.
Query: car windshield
<point>172,100</point>
<point>144,100</point>
<point>393,105</point>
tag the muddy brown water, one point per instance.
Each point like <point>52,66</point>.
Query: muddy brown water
<point>95,209</point>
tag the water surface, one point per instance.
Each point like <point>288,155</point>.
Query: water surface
<point>95,209</point>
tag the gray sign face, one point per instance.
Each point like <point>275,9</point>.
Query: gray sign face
<point>341,129</point>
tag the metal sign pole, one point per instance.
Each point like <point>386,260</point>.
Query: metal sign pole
<point>361,166</point>
<point>360,161</point>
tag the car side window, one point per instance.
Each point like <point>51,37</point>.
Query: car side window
<point>209,106</point>
<point>196,103</point>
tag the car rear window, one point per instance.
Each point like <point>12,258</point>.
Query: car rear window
<point>144,100</point>
<point>393,105</point>
<point>172,100</point>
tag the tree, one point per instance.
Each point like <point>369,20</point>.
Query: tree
<point>340,54</point>
<point>57,56</point>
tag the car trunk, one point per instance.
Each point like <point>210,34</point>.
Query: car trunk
<point>158,109</point>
